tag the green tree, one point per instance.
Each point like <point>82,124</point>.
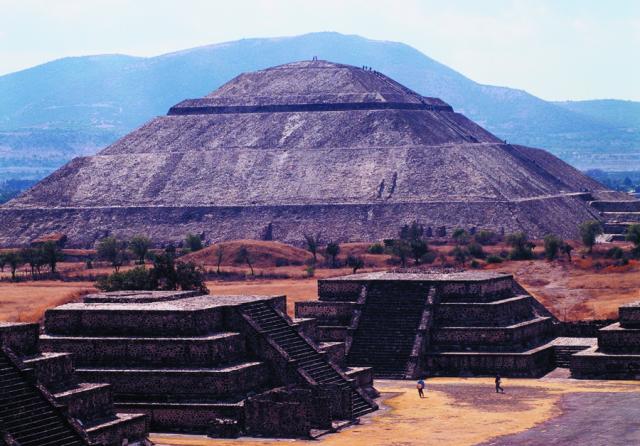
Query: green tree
<point>332,250</point>
<point>414,231</point>
<point>244,256</point>
<point>460,236</point>
<point>355,263</point>
<point>552,246</point>
<point>219,257</point>
<point>140,245</point>
<point>313,242</point>
<point>589,230</point>
<point>164,271</point>
<point>521,248</point>
<point>193,242</point>
<point>138,278</point>
<point>30,256</point>
<point>3,261</point>
<point>51,254</point>
<point>475,250</point>
<point>14,261</point>
<point>633,236</point>
<point>189,276</point>
<point>566,249</point>
<point>418,249</point>
<point>460,254</point>
<point>113,251</point>
<point>485,237</point>
<point>402,250</point>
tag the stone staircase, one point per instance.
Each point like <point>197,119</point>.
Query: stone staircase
<point>26,415</point>
<point>385,336</point>
<point>563,354</point>
<point>308,358</point>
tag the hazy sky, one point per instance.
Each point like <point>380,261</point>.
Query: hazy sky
<point>555,49</point>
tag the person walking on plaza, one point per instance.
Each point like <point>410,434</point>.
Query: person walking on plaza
<point>420,387</point>
<point>499,388</point>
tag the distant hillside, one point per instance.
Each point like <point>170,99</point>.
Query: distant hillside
<point>623,114</point>
<point>74,106</point>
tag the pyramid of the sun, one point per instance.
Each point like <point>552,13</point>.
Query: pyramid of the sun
<point>304,147</point>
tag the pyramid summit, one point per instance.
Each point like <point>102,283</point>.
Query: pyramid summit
<point>309,146</point>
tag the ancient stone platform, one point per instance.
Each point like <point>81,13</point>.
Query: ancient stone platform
<point>406,325</point>
<point>306,147</point>
<point>617,355</point>
<point>198,363</point>
<point>44,403</point>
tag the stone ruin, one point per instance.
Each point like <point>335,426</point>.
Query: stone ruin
<point>617,354</point>
<point>218,365</point>
<point>237,365</point>
<point>43,402</point>
<point>406,325</point>
<point>310,146</point>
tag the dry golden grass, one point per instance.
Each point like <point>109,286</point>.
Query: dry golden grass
<point>27,301</point>
<point>262,253</point>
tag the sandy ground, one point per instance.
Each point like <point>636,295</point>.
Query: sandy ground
<point>456,412</point>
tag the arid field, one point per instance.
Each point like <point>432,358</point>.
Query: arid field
<point>588,287</point>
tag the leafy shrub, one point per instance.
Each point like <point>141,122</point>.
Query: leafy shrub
<point>376,248</point>
<point>310,270</point>
<point>486,237</point>
<point>615,253</point>
<point>475,249</point>
<point>552,245</point>
<point>429,257</point>
<point>494,259</point>
<point>137,279</point>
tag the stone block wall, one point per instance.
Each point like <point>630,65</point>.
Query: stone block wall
<point>20,338</point>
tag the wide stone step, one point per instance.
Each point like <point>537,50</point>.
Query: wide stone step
<point>145,320</point>
<point>193,417</point>
<point>132,427</point>
<point>210,350</point>
<point>494,338</point>
<point>87,402</point>
<point>197,382</point>
<point>531,363</point>
<point>52,370</point>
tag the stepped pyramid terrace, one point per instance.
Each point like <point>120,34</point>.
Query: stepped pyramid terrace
<point>218,365</point>
<point>406,325</point>
<point>307,146</point>
<point>617,354</point>
<point>117,365</point>
<point>44,402</point>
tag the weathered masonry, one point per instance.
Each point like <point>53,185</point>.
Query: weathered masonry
<point>42,401</point>
<point>221,365</point>
<point>406,325</point>
<point>617,355</point>
<point>306,147</point>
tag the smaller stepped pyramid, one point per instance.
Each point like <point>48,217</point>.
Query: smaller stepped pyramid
<point>218,365</point>
<point>404,325</point>
<point>617,354</point>
<point>35,386</point>
<point>617,216</point>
